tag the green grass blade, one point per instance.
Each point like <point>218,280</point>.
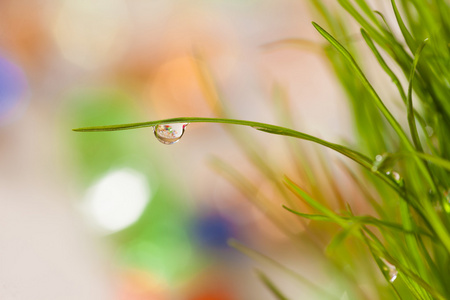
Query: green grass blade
<point>247,188</point>
<point>411,242</point>
<point>313,217</point>
<point>361,20</point>
<point>428,212</point>
<point>381,264</point>
<point>410,108</point>
<point>383,64</point>
<point>340,237</point>
<point>379,103</point>
<point>433,159</point>
<point>248,144</point>
<point>263,258</point>
<point>313,203</point>
<point>417,284</point>
<point>405,32</point>
<point>270,286</point>
<point>363,220</point>
<point>354,155</point>
<point>388,28</point>
<point>368,11</point>
<point>368,220</point>
<point>436,160</point>
<point>380,249</point>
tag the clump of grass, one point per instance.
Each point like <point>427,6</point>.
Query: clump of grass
<point>403,159</point>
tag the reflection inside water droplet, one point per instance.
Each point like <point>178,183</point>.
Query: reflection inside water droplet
<point>389,270</point>
<point>169,133</point>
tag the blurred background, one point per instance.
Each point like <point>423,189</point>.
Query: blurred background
<point>119,215</point>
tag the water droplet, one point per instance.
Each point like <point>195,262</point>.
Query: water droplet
<point>395,177</point>
<point>169,133</point>
<point>377,163</point>
<point>382,162</point>
<point>389,270</point>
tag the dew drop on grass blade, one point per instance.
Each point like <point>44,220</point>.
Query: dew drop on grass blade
<point>169,134</point>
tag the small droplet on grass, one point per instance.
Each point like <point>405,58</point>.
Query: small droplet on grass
<point>389,270</point>
<point>169,134</point>
<point>382,162</point>
<point>396,177</point>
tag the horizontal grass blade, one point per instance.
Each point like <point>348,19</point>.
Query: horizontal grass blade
<point>273,129</point>
<point>352,154</point>
<point>363,220</point>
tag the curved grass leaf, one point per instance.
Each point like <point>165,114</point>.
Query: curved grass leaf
<point>312,217</point>
<point>250,147</point>
<point>432,159</point>
<point>411,242</point>
<point>247,188</point>
<point>362,220</point>
<point>427,212</point>
<point>377,247</point>
<point>383,64</point>
<point>340,237</point>
<point>394,78</point>
<point>361,20</point>
<point>405,32</point>
<point>368,11</point>
<point>378,102</point>
<point>388,28</point>
<point>313,203</point>
<point>352,154</point>
<point>436,160</point>
<point>417,283</point>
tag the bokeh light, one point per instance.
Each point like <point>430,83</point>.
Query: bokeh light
<point>117,199</point>
<point>91,34</point>
<point>13,88</point>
